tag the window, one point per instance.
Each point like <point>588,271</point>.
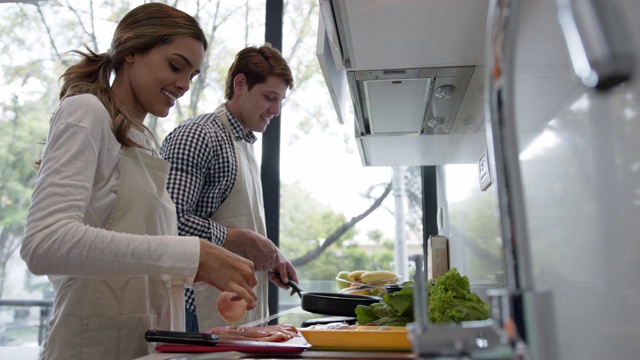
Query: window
<point>34,56</point>
<point>323,183</point>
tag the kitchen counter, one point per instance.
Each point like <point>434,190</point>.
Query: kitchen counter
<point>308,354</point>
<point>295,316</point>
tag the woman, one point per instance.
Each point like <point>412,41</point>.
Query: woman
<point>101,224</point>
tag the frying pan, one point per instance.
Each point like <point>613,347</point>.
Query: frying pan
<point>329,303</point>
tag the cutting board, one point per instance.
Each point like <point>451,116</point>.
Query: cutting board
<point>296,345</point>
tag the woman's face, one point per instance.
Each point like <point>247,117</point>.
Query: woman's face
<point>151,83</point>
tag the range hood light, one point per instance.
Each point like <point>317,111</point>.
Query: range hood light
<point>445,91</point>
<point>400,102</point>
<point>436,121</point>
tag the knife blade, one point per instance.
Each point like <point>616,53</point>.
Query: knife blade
<point>232,343</point>
<point>265,320</point>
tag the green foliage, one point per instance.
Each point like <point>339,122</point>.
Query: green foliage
<point>302,217</point>
<point>24,129</point>
<point>25,123</point>
<point>305,223</point>
<point>396,309</point>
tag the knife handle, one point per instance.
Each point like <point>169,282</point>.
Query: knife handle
<point>181,337</point>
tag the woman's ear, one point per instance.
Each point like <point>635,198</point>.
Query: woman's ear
<point>130,58</point>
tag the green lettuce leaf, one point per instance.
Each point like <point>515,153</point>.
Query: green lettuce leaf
<point>450,300</point>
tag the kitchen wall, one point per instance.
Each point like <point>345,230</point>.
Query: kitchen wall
<point>579,155</point>
<point>579,152</point>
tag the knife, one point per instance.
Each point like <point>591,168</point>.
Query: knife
<point>205,339</point>
<point>266,320</point>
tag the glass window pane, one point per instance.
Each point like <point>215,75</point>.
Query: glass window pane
<point>36,41</point>
<point>324,185</point>
<point>473,228</point>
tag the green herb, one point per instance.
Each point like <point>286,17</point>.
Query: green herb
<point>450,300</point>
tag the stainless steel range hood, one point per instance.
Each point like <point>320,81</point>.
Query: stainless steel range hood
<point>408,101</point>
<point>414,85</point>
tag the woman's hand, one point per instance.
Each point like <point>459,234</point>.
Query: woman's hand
<point>227,271</point>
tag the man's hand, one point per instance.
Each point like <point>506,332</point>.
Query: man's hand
<point>257,248</point>
<point>264,253</point>
<point>282,272</point>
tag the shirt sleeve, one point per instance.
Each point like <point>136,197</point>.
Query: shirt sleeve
<point>57,241</point>
<point>192,152</point>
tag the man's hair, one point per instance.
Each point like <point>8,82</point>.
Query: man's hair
<point>257,64</point>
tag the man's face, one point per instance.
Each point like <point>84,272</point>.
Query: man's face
<point>257,106</point>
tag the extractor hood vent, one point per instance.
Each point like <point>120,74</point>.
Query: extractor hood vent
<point>421,101</point>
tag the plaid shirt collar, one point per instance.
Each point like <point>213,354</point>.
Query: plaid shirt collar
<point>237,131</point>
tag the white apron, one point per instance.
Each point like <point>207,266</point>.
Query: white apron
<point>105,318</point>
<point>243,208</point>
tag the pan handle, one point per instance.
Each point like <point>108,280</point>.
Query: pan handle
<point>294,285</point>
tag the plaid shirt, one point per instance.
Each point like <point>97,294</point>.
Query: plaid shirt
<point>203,171</point>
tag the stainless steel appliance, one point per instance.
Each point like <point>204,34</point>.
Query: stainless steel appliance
<point>562,141</point>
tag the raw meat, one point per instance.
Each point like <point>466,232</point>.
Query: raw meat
<point>273,333</point>
<point>229,310</point>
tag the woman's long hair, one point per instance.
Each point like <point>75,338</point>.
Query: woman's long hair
<point>141,30</point>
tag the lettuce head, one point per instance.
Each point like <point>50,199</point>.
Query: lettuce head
<point>451,300</point>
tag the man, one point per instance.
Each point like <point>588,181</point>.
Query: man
<point>214,180</point>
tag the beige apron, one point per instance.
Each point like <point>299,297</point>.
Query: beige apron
<point>105,318</point>
<point>243,208</point>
